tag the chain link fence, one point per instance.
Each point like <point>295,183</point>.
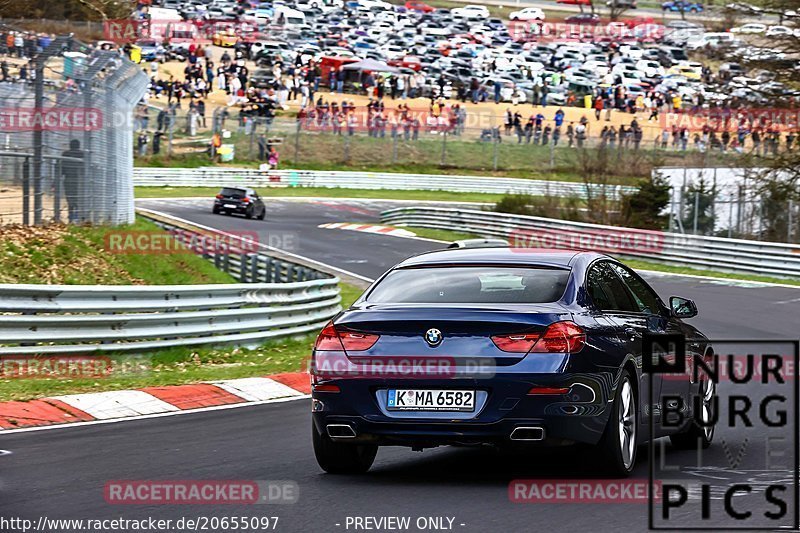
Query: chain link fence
<point>732,202</point>
<point>66,134</point>
<point>483,142</point>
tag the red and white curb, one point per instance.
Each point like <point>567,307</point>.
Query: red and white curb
<point>117,405</point>
<point>369,228</point>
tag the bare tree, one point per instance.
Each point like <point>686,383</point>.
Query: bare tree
<point>67,9</point>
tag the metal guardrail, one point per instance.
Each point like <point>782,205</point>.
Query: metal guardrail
<point>277,298</point>
<point>728,255</point>
<point>238,177</point>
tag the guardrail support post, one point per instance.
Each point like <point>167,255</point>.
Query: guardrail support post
<point>254,268</point>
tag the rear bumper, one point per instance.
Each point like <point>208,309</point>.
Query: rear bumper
<point>237,206</point>
<point>503,405</point>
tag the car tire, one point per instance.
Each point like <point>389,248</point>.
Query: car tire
<point>342,458</point>
<point>618,445</point>
<point>215,210</point>
<point>698,432</point>
<point>263,214</point>
<point>248,213</point>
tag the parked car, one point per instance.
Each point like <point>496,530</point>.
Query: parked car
<point>779,31</point>
<point>226,38</point>
<point>151,50</point>
<point>682,6</point>
<point>470,12</point>
<point>621,4</point>
<point>242,201</point>
<point>730,70</point>
<point>529,13</point>
<point>589,19</point>
<point>414,5</point>
<point>752,28</point>
<point>262,78</point>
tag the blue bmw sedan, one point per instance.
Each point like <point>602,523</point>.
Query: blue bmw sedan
<point>508,348</point>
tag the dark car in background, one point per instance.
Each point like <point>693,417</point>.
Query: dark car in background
<point>582,19</point>
<point>263,78</point>
<point>513,348</point>
<point>241,201</point>
<point>621,4</point>
<point>682,6</point>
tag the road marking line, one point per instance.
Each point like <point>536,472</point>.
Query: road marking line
<point>369,228</point>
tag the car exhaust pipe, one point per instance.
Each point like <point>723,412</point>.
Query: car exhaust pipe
<point>526,433</point>
<point>341,431</point>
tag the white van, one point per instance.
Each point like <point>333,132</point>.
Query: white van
<point>712,39</point>
<point>288,16</point>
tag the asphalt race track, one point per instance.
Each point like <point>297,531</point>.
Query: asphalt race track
<point>61,473</point>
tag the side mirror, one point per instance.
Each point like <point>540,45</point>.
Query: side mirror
<point>682,307</point>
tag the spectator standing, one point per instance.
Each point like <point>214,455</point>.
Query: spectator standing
<point>580,134</point>
<point>141,143</point>
<point>598,107</point>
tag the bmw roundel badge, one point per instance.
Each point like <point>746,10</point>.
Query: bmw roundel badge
<point>433,337</point>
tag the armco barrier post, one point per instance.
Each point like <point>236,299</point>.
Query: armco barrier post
<point>444,147</point>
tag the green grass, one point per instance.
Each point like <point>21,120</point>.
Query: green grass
<point>332,192</point>
<point>428,155</point>
<point>180,365</point>
<point>77,255</point>
<point>61,254</point>
<point>442,234</point>
<point>646,265</point>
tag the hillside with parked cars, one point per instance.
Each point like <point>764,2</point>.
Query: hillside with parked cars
<point>467,53</point>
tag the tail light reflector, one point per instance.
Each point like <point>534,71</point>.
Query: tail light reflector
<point>548,390</point>
<point>326,387</point>
<point>560,337</point>
<point>220,197</point>
<point>517,343</point>
<point>354,341</point>
<point>342,339</point>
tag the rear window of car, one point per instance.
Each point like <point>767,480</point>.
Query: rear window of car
<point>471,284</point>
<point>235,193</point>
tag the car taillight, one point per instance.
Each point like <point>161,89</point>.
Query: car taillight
<point>517,343</point>
<point>330,339</point>
<point>561,337</point>
<point>245,199</point>
<point>220,197</point>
